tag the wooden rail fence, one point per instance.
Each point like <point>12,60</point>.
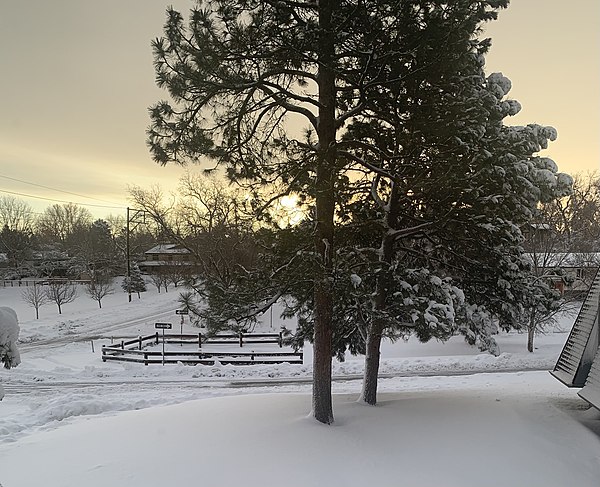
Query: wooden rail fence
<point>133,350</point>
<point>39,282</point>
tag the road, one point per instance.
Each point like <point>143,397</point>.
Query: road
<point>165,385</point>
<point>95,332</point>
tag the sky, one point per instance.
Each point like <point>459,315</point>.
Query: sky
<point>77,79</point>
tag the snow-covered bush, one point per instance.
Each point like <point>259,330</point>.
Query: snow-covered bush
<point>9,334</point>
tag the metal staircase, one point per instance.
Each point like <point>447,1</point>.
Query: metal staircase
<point>580,350</point>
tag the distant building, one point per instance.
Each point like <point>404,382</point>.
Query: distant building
<point>579,267</point>
<point>165,256</point>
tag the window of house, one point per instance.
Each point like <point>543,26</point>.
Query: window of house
<point>155,257</point>
<point>579,273</point>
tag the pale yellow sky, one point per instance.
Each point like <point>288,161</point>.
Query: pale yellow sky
<point>77,79</point>
<point>550,50</point>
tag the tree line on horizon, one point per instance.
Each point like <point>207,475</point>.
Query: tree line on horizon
<point>65,240</point>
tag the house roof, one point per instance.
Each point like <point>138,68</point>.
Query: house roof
<point>565,259</point>
<point>540,226</point>
<point>164,263</point>
<point>167,249</point>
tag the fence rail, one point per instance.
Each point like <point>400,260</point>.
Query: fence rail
<point>133,350</point>
<point>200,339</point>
<point>39,282</point>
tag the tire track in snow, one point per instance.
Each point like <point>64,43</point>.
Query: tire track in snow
<point>24,387</point>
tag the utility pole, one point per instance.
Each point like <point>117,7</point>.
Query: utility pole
<point>135,217</point>
<point>128,260</point>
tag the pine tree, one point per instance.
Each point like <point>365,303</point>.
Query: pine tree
<point>395,108</point>
<point>135,283</point>
<point>248,64</point>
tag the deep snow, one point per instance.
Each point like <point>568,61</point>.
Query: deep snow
<point>90,423</point>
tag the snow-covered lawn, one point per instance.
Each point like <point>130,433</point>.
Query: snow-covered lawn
<point>69,419</point>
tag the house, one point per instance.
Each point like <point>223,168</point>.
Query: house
<point>164,257</point>
<point>579,268</point>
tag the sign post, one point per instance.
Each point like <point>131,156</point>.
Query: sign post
<point>181,312</point>
<point>163,327</point>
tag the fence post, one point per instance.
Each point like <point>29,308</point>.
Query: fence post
<point>156,338</point>
<point>103,353</point>
<point>199,340</point>
<point>140,340</point>
<point>122,344</point>
<point>241,339</point>
<point>280,339</point>
<point>145,359</point>
<point>252,356</point>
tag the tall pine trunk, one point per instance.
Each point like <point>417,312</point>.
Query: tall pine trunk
<point>375,330</point>
<point>373,353</point>
<point>531,332</point>
<point>325,206</point>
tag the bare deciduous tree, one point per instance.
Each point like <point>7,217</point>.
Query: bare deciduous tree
<point>178,272</point>
<point>61,292</point>
<point>99,287</point>
<point>15,214</point>
<point>35,296</point>
<point>159,279</point>
<point>58,222</point>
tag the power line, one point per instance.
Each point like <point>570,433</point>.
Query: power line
<point>55,189</point>
<point>60,201</point>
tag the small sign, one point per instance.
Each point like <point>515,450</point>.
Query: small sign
<point>163,326</point>
<point>182,312</point>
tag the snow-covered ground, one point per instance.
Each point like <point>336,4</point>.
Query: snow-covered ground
<point>449,415</point>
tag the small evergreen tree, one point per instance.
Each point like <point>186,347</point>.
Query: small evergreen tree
<point>135,283</point>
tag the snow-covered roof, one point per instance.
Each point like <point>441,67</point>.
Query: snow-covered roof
<point>167,249</point>
<point>540,226</point>
<point>162,263</point>
<point>565,259</point>
<point>50,255</point>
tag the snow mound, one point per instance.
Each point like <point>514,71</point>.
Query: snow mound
<point>9,334</point>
